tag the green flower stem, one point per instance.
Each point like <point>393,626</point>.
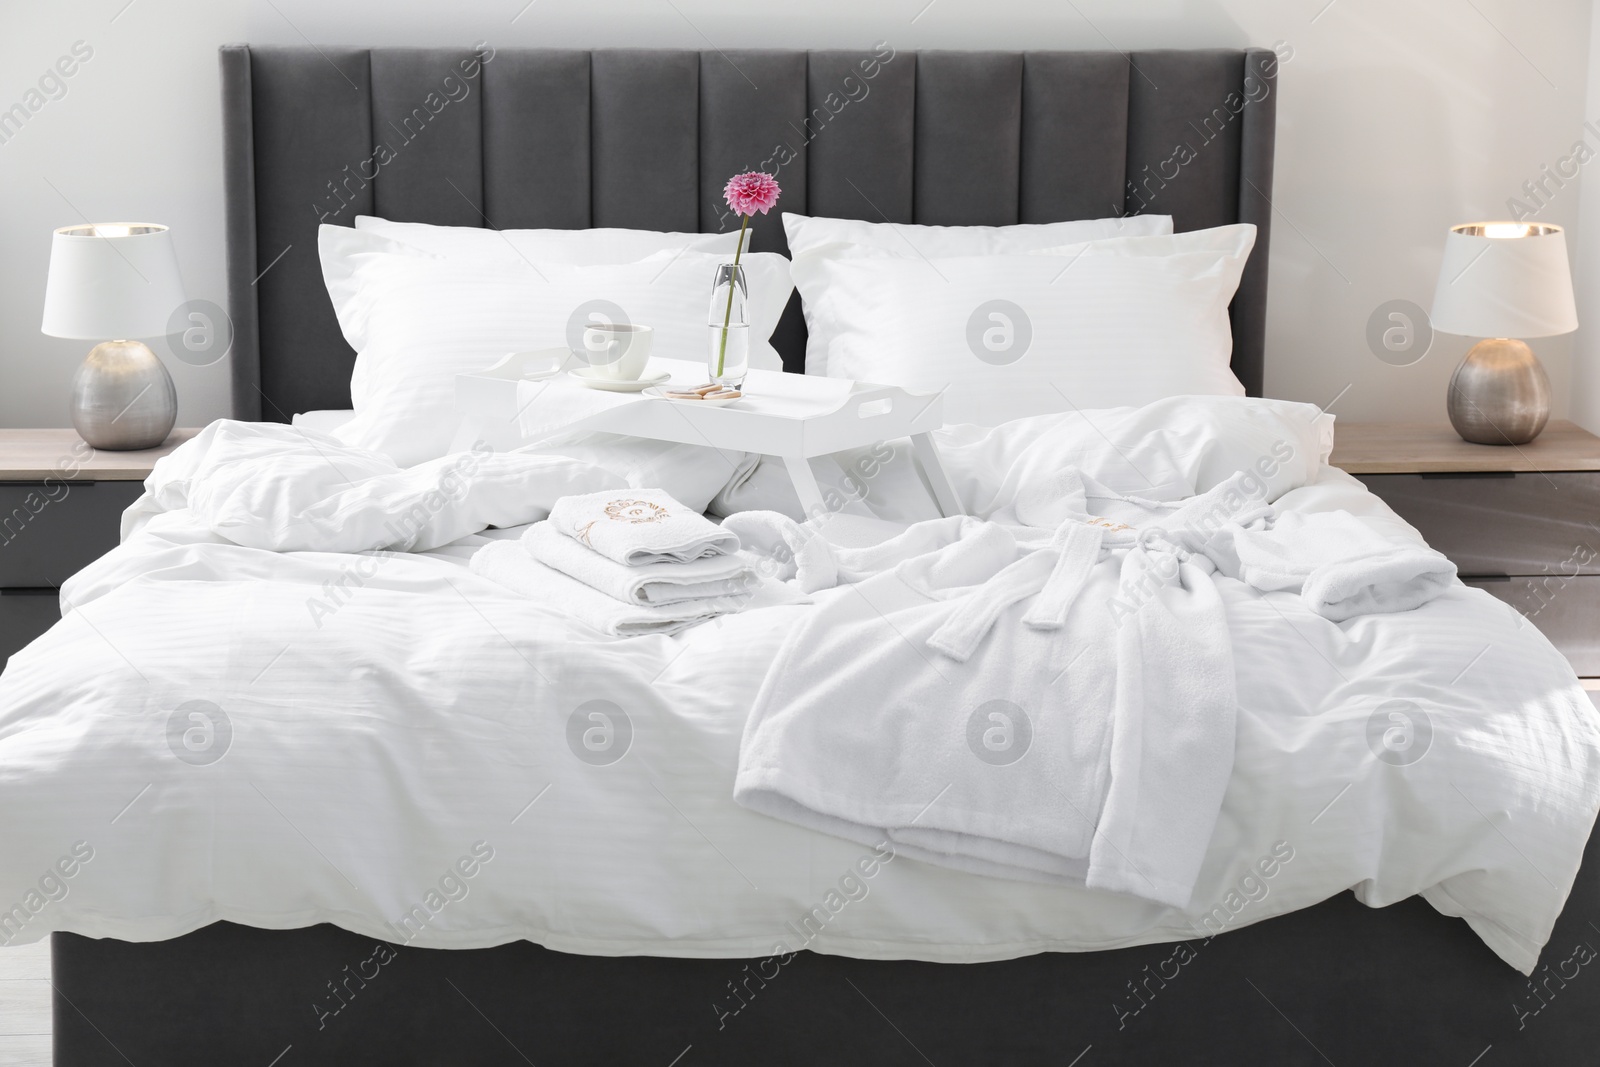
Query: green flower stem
<point>727,316</point>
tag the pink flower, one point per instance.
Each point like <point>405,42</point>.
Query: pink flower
<point>751,192</point>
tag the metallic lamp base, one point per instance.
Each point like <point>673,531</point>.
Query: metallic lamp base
<point>1500,394</point>
<point>123,398</point>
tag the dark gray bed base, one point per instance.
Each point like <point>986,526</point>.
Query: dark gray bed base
<point>572,139</point>
<point>1338,983</point>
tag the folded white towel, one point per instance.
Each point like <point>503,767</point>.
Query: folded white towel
<point>646,583</point>
<point>509,564</point>
<point>636,526</point>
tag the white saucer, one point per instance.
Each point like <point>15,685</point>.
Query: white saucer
<point>587,376</point>
<point>725,401</point>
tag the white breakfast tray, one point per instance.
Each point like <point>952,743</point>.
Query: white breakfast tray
<point>791,416</point>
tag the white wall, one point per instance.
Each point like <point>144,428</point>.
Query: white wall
<point>1396,118</point>
<point>1585,407</point>
<point>137,136</point>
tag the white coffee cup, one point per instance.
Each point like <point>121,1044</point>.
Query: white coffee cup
<point>617,350</point>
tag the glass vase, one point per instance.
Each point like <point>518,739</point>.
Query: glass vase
<point>728,327</point>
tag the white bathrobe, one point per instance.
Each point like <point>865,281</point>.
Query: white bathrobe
<point>1093,751</point>
<point>1052,705</point>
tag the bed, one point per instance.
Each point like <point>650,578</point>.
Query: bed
<point>645,922</point>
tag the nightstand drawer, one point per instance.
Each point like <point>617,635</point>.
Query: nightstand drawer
<point>44,541</point>
<point>24,615</point>
<point>1516,524</point>
<point>1566,610</point>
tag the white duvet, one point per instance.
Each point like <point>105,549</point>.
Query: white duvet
<point>285,700</point>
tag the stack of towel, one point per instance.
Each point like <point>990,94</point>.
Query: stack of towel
<point>627,562</point>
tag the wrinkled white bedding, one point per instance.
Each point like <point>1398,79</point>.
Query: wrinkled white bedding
<point>270,728</point>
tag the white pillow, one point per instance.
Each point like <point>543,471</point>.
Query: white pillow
<point>1118,322</point>
<point>416,321</point>
<point>808,235</point>
<point>813,241</point>
<point>579,247</point>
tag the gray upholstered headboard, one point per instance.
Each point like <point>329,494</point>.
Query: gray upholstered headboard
<point>646,138</point>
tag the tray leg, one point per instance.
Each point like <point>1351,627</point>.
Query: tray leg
<point>805,484</point>
<point>943,491</point>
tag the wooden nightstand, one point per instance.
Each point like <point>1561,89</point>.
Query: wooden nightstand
<point>61,505</point>
<point>1520,522</point>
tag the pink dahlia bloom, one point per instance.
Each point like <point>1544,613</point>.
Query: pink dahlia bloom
<point>751,192</point>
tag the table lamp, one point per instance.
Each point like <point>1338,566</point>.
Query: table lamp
<point>1503,281</point>
<point>116,280</point>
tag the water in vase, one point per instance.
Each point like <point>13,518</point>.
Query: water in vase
<point>733,358</point>
<point>728,327</point>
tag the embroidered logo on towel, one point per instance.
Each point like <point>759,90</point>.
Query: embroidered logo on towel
<point>1095,520</point>
<point>635,511</point>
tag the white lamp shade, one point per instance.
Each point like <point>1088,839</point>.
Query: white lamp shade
<point>1505,279</point>
<point>116,280</point>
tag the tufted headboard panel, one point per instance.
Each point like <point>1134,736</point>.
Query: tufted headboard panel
<point>645,138</point>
